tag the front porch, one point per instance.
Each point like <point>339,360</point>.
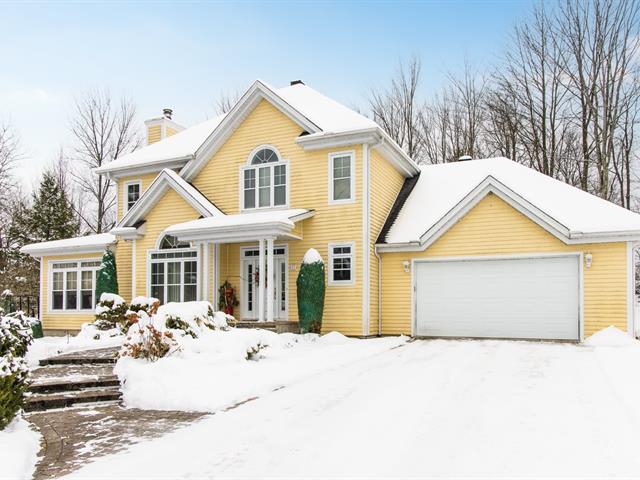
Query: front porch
<point>243,246</point>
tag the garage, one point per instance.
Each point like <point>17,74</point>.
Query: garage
<point>535,297</point>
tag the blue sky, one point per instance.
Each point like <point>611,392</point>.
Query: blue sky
<point>182,55</point>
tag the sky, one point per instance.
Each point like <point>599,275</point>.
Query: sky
<point>184,55</point>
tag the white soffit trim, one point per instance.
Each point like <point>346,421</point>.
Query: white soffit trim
<point>166,178</point>
<point>252,97</point>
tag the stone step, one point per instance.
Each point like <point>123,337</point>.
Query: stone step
<point>48,401</point>
<point>94,357</point>
<point>252,324</point>
<point>72,384</point>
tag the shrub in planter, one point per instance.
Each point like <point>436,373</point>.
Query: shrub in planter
<point>310,286</point>
<point>111,312</point>
<point>15,337</point>
<point>107,278</point>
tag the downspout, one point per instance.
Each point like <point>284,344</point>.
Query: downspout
<point>375,251</point>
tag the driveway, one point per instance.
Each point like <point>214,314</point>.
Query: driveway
<point>428,408</point>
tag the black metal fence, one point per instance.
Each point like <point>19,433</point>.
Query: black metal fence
<point>28,304</point>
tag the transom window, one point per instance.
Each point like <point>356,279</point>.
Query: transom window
<point>264,180</point>
<point>341,269</point>
<point>132,193</point>
<point>174,271</point>
<point>341,177</point>
<point>73,285</point>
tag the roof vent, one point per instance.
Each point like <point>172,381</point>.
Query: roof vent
<point>167,113</point>
<point>464,158</point>
<point>296,82</point>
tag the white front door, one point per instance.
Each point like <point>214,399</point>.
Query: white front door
<point>249,278</point>
<point>535,297</point>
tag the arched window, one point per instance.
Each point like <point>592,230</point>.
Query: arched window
<point>173,276</point>
<point>169,241</point>
<point>264,179</point>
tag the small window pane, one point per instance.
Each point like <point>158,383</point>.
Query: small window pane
<point>264,155</point>
<point>133,194</point>
<point>58,280</point>
<point>87,280</point>
<point>342,178</point>
<point>190,273</point>
<point>57,300</point>
<point>249,188</point>
<point>190,293</point>
<point>157,291</point>
<point>249,199</point>
<point>72,300</point>
<point>264,187</point>
<point>280,185</point>
<point>86,299</point>
<point>341,189</point>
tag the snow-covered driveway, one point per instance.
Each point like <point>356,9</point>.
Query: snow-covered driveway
<point>428,408</point>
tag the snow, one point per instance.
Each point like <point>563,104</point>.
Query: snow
<point>312,256</point>
<point>611,337</point>
<point>441,187</point>
<point>440,408</point>
<point>111,297</point>
<point>212,372</point>
<point>182,144</point>
<point>85,340</point>
<point>19,447</point>
<point>144,301</point>
<point>220,223</point>
<point>97,242</point>
<point>329,115</point>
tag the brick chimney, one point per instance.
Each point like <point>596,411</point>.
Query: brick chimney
<point>161,127</point>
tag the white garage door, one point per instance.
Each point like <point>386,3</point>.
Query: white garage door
<point>505,298</point>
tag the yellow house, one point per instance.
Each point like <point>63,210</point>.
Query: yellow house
<point>479,248</point>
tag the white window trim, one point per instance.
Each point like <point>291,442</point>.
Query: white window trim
<point>352,199</point>
<point>79,269</point>
<point>271,165</point>
<point>125,194</point>
<point>181,260</point>
<point>333,245</point>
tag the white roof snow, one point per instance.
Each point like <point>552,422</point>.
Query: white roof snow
<point>329,115</point>
<point>442,187</point>
<point>181,146</point>
<point>86,244</point>
<point>240,224</point>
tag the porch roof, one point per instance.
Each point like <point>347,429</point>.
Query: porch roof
<point>242,226</point>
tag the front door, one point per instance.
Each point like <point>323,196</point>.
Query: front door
<point>249,277</point>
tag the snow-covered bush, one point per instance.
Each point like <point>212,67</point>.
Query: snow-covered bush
<point>148,305</point>
<point>111,312</point>
<point>148,339</point>
<point>191,317</point>
<point>15,337</point>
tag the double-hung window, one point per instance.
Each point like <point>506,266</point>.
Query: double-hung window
<point>341,263</point>
<point>264,180</point>
<point>73,285</point>
<point>341,177</point>
<point>174,271</point>
<point>133,191</point>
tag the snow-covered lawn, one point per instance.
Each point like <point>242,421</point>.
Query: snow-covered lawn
<point>429,408</point>
<point>19,447</point>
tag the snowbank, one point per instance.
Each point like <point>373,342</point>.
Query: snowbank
<point>19,447</point>
<point>213,371</point>
<point>611,337</point>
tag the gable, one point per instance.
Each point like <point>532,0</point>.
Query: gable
<point>218,179</point>
<point>493,226</point>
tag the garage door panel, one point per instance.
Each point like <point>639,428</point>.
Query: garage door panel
<point>509,298</point>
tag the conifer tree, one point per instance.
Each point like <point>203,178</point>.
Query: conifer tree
<point>107,280</point>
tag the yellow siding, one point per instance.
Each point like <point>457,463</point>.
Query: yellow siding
<point>219,181</point>
<point>154,134</point>
<point>171,209</point>
<point>385,182</point>
<point>62,320</point>
<point>171,131</point>
<point>123,267</point>
<point>145,179</point>
<point>494,228</point>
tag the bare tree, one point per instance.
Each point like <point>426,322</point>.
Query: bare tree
<point>10,154</point>
<point>226,101</point>
<point>396,109</point>
<point>103,131</point>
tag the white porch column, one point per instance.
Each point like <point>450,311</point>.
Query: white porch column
<point>205,272</point>
<point>134,259</point>
<point>261,277</point>
<point>270,278</point>
<point>216,273</point>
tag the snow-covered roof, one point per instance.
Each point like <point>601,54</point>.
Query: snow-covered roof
<point>167,178</point>
<point>443,188</point>
<point>86,244</point>
<point>320,116</point>
<point>181,146</point>
<point>240,225</point>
